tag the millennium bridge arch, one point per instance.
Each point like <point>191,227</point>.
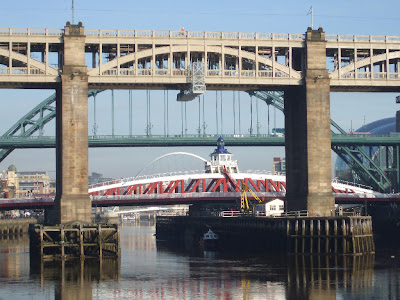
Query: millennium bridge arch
<point>167,155</point>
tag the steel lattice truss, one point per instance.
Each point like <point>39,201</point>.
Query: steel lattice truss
<point>34,121</point>
<point>355,157</point>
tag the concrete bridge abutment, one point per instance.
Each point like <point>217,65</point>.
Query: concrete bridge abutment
<point>308,134</point>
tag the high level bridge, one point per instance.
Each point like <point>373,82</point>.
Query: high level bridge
<point>305,66</point>
<point>154,59</point>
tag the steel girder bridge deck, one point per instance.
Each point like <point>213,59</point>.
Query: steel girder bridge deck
<point>20,142</point>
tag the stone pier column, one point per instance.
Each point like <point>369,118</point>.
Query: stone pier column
<point>72,200</point>
<point>308,134</point>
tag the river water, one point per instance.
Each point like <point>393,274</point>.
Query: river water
<point>150,270</point>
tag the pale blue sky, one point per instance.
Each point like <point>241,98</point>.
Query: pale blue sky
<point>339,17</point>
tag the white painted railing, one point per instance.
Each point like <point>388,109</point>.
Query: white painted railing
<point>144,72</point>
<point>362,38</point>
<point>248,73</point>
<point>158,34</point>
<point>128,72</point>
<point>213,73</point>
<point>179,72</point>
<point>265,73</point>
<point>161,72</point>
<point>201,35</point>
<point>35,71</point>
<point>31,31</point>
<point>110,72</point>
<point>231,73</point>
<point>369,75</point>
<point>19,70</point>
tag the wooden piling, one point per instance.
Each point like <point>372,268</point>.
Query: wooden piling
<point>354,236</point>
<point>74,241</point>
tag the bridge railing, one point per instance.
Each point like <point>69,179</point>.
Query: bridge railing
<point>362,38</point>
<point>295,214</point>
<point>188,34</point>
<point>201,195</point>
<point>369,75</point>
<point>31,31</point>
<point>367,187</point>
<point>26,200</point>
<point>141,177</point>
<point>238,213</point>
<point>369,196</point>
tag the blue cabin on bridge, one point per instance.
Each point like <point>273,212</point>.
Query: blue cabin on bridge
<point>221,159</point>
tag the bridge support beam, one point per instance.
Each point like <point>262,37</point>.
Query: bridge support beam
<point>308,135</point>
<point>72,202</point>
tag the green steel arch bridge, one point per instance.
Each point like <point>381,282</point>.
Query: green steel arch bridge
<point>27,132</point>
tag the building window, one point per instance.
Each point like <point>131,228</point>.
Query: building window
<point>272,207</point>
<point>281,207</point>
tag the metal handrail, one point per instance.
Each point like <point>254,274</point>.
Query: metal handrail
<point>186,34</point>
<point>297,213</point>
<point>367,187</point>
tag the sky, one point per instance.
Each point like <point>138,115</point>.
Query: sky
<point>349,110</point>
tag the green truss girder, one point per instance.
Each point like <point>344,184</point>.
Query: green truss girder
<point>356,157</point>
<point>194,140</point>
<point>34,121</point>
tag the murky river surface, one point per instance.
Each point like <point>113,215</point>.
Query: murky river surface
<point>148,270</point>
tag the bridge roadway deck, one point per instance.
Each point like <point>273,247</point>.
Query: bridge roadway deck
<point>47,202</point>
<point>192,140</point>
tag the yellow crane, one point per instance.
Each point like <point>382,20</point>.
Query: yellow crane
<point>244,203</point>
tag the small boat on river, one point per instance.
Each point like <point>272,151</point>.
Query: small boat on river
<point>210,240</point>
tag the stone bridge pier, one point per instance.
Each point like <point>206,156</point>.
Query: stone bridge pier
<point>75,235</point>
<point>308,135</point>
<point>72,203</point>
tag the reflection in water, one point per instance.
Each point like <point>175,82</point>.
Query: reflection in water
<point>10,261</point>
<point>318,277</point>
<point>151,270</point>
<point>73,279</point>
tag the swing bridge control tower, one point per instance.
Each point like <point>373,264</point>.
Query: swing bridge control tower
<point>191,62</point>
